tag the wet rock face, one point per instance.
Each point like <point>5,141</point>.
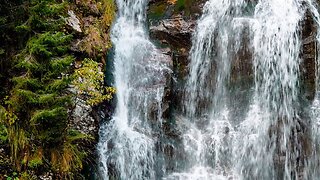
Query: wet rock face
<point>171,30</point>
<point>308,56</point>
<point>172,24</point>
<point>175,32</point>
<point>171,27</point>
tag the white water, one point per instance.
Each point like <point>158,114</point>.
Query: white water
<point>276,44</point>
<point>266,142</point>
<point>127,143</point>
<point>208,141</point>
<point>273,130</point>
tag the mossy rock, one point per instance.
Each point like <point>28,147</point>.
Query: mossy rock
<point>167,9</point>
<point>188,8</point>
<point>157,10</point>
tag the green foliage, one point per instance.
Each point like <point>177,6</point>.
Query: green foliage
<point>44,15</point>
<point>37,99</point>
<point>158,10</point>
<point>11,14</point>
<point>185,6</point>
<point>89,82</point>
<point>3,20</point>
<point>45,115</point>
<point>42,49</point>
<point>14,176</point>
<point>3,134</point>
<point>19,143</point>
<point>35,122</point>
<point>26,176</point>
<point>37,159</point>
<point>49,44</point>
<point>60,64</point>
<point>3,128</point>
<point>180,5</point>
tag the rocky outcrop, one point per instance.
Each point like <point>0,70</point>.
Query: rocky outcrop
<point>175,32</point>
<point>89,22</point>
<point>172,24</point>
<point>166,55</point>
<point>82,119</point>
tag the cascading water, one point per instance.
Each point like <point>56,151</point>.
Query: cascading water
<point>268,137</point>
<point>274,117</point>
<point>268,143</point>
<point>207,141</point>
<point>127,142</point>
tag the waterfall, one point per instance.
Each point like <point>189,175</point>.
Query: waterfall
<point>127,141</point>
<point>207,141</point>
<point>265,130</point>
<point>272,142</point>
<point>273,121</point>
<point>269,142</point>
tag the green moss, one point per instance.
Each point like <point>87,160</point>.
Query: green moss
<point>157,10</point>
<point>185,6</point>
<point>180,5</point>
